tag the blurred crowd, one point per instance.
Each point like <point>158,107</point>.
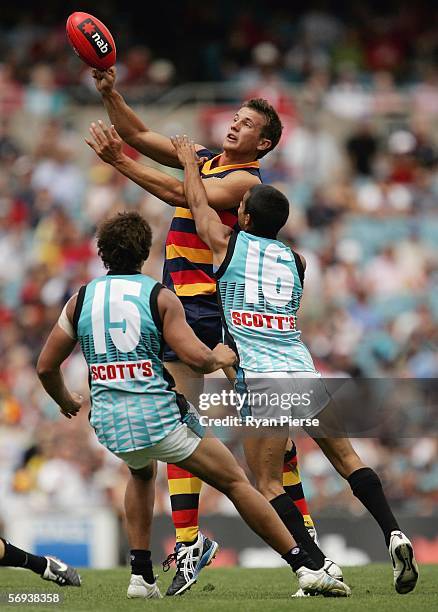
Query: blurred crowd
<point>359,162</point>
<point>358,52</point>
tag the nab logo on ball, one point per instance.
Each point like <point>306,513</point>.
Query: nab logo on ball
<point>91,40</point>
<point>95,36</point>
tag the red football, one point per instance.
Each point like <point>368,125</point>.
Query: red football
<point>91,40</point>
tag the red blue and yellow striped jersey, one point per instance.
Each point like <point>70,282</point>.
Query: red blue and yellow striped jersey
<point>188,265</point>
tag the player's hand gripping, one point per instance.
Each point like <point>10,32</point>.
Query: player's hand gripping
<point>106,143</point>
<point>185,149</point>
<point>71,407</point>
<point>225,357</point>
<point>104,79</point>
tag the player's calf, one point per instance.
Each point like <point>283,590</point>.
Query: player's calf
<point>259,514</point>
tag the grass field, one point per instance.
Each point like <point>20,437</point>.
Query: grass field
<point>226,590</point>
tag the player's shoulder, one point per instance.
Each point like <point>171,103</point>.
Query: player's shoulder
<point>167,298</point>
<point>70,306</point>
<point>300,260</point>
<point>168,305</point>
<point>303,260</point>
<point>242,176</point>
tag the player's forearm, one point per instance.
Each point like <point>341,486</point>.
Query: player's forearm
<point>197,200</point>
<point>205,365</point>
<point>212,365</point>
<point>53,383</point>
<point>194,190</point>
<point>126,122</point>
<point>198,356</point>
<point>159,184</point>
<point>207,361</point>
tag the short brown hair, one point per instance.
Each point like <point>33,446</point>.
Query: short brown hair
<point>124,242</point>
<point>273,127</point>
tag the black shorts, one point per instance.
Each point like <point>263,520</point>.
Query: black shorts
<point>204,318</point>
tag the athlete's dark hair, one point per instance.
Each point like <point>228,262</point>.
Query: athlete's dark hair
<point>124,242</point>
<point>269,210</point>
<point>273,127</point>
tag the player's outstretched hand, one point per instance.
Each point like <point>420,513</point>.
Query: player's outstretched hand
<point>224,356</point>
<point>72,407</point>
<point>104,79</point>
<point>185,149</point>
<point>106,143</point>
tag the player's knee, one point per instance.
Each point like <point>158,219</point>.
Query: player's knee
<point>145,474</point>
<point>233,479</point>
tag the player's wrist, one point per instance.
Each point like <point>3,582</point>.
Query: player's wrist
<point>216,362</point>
<point>190,164</point>
<point>66,402</point>
<point>108,93</point>
<point>121,162</point>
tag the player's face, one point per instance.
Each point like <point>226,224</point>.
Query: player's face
<point>244,134</point>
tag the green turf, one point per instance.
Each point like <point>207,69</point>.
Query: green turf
<point>225,590</point>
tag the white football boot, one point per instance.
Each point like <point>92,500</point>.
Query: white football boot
<point>318,582</point>
<point>403,561</point>
<point>332,570</point>
<point>139,588</point>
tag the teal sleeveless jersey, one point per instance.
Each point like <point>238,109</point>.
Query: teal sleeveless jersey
<point>118,328</point>
<point>260,284</point>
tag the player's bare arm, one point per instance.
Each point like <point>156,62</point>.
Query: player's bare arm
<point>208,223</point>
<point>129,125</point>
<point>182,339</point>
<point>222,195</point>
<point>57,348</point>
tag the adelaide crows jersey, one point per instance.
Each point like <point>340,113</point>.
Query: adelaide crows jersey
<point>188,266</point>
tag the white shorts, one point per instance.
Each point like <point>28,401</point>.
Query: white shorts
<point>175,447</point>
<point>302,395</point>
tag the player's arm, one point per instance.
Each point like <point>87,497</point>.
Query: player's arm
<point>209,226</point>
<point>222,195</point>
<point>229,191</point>
<point>57,348</point>
<point>182,339</point>
<point>129,125</point>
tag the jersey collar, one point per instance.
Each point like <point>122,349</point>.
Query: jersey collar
<point>207,169</point>
<point>130,273</point>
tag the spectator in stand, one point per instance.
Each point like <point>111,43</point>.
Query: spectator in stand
<point>347,98</point>
<point>387,100</point>
<point>425,94</point>
<point>9,148</point>
<point>11,91</point>
<point>385,49</point>
<point>304,58</point>
<point>321,26</point>
<point>425,150</point>
<point>43,98</point>
<point>348,50</point>
<point>263,79</point>
<point>362,147</point>
<point>311,153</point>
